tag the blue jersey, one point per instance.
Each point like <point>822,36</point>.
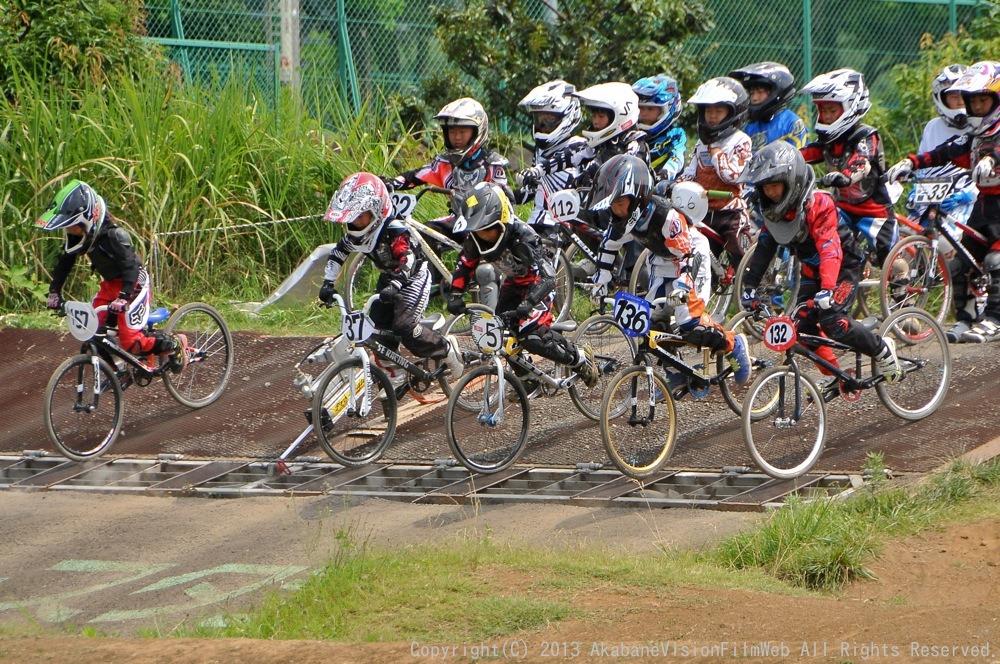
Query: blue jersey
<point>784,126</point>
<point>666,153</point>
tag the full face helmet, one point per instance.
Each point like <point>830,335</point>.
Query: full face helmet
<point>662,92</point>
<point>622,175</point>
<point>982,78</point>
<point>618,100</point>
<point>464,112</point>
<point>949,76</point>
<point>484,207</point>
<point>76,205</point>
<point>360,193</point>
<point>776,78</point>
<point>725,91</point>
<point>555,97</point>
<point>845,87</point>
<point>780,162</point>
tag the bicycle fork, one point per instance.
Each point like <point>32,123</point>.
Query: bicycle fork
<point>486,415</point>
<point>81,388</point>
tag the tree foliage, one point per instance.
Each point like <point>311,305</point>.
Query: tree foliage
<point>506,47</point>
<point>912,81</point>
<point>87,40</point>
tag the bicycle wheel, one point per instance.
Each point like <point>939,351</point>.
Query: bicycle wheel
<point>918,277</point>
<point>346,435</point>
<point>562,308</point>
<point>638,436</point>
<point>925,359</point>
<point>210,355</point>
<point>83,407</point>
<point>638,281</point>
<point>491,435</point>
<point>780,284</point>
<point>460,327</point>
<point>784,422</point>
<point>761,358</point>
<point>359,278</point>
<point>612,351</point>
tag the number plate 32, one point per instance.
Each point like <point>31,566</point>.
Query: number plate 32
<point>779,334</point>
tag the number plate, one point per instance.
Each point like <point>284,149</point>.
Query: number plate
<point>632,313</point>
<point>357,326</point>
<point>564,205</point>
<point>931,192</point>
<point>779,333</point>
<point>81,320</point>
<point>488,333</point>
<point>403,204</point>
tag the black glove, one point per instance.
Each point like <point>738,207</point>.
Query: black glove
<point>390,183</point>
<point>389,293</point>
<point>327,291</point>
<point>456,304</point>
<point>559,161</point>
<point>836,179</point>
<point>524,310</point>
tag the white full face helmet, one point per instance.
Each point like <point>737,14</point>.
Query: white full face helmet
<point>617,98</point>
<point>360,193</point>
<point>845,87</point>
<point>464,112</point>
<point>982,78</point>
<point>554,97</point>
<point>949,76</point>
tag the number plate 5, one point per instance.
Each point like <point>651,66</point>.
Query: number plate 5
<point>779,334</point>
<point>632,314</point>
<point>488,333</point>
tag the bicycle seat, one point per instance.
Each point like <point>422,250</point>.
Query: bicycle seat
<point>434,321</point>
<point>564,326</point>
<point>158,315</point>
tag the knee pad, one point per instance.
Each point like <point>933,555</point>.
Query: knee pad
<point>712,338</point>
<point>991,264</point>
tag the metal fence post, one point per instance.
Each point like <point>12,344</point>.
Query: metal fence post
<point>807,42</point>
<point>178,25</point>
<point>348,75</point>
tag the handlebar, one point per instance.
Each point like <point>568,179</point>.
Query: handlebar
<point>434,189</point>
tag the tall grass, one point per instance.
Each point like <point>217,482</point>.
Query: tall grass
<point>172,157</point>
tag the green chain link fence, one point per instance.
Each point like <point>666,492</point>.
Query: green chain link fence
<point>355,47</point>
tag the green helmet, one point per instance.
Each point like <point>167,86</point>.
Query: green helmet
<point>76,204</point>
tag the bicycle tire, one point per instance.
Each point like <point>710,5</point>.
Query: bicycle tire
<point>68,407</point>
<point>210,349</point>
<point>562,307</point>
<point>761,358</point>
<point>472,433</point>
<point>612,351</point>
<point>343,435</point>
<point>460,326</point>
<point>784,441</point>
<point>925,285</point>
<point>626,414</point>
<point>926,362</point>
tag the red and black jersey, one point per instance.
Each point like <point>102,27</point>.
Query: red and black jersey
<point>394,254</point>
<point>860,156</point>
<point>828,251</point>
<point>486,166</point>
<point>966,152</point>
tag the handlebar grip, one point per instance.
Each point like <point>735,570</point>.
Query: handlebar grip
<point>716,193</point>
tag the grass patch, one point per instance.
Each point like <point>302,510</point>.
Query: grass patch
<point>824,544</point>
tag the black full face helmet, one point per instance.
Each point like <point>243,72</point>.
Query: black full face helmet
<point>780,162</point>
<point>481,208</point>
<point>622,176</point>
<point>777,78</point>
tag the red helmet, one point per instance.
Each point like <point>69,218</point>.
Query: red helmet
<point>360,193</point>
